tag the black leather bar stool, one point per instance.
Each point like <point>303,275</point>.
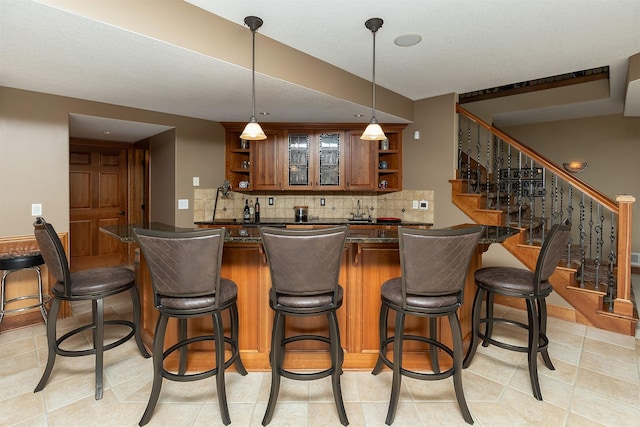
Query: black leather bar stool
<point>93,285</point>
<point>305,268</point>
<point>16,261</point>
<point>185,272</point>
<point>533,287</point>
<point>434,266</point>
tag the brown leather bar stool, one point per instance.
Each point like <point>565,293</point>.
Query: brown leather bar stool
<point>185,273</point>
<point>305,268</point>
<point>16,261</point>
<point>88,285</point>
<point>434,266</point>
<point>533,287</point>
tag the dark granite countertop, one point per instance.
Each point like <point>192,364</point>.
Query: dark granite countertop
<point>315,221</point>
<point>251,234</point>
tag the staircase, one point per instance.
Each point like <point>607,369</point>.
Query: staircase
<point>500,181</point>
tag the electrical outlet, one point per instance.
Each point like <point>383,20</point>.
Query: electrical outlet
<point>424,204</point>
<point>196,181</point>
<point>36,209</point>
<point>322,201</point>
<point>270,201</point>
<point>415,204</point>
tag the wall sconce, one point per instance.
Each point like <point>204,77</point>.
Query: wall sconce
<point>575,167</point>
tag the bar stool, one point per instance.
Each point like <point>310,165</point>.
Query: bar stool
<point>88,285</point>
<point>185,273</point>
<point>533,287</point>
<point>16,261</point>
<point>305,267</point>
<point>434,266</point>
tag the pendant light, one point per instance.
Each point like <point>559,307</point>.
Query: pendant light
<point>373,132</point>
<point>253,131</point>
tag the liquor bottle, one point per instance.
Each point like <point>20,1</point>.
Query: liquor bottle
<point>256,214</point>
<point>246,212</point>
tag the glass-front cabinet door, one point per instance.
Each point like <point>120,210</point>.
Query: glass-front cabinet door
<point>315,160</point>
<point>298,150</point>
<point>329,159</point>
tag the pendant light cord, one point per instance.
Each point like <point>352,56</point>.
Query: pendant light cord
<point>253,73</point>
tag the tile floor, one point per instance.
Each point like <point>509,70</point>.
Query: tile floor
<point>596,383</point>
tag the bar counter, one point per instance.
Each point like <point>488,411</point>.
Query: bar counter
<point>370,257</point>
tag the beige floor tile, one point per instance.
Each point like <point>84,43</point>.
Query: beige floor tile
<point>16,409</point>
<point>609,387</point>
<point>19,383</point>
<point>553,390</point>
<point>440,414</point>
<point>610,337</point>
<point>105,412</point>
<point>616,369</point>
<point>19,363</point>
<point>286,414</point>
<point>610,351</point>
<point>377,388</point>
<point>603,410</point>
<point>595,383</point>
<point>209,415</point>
<point>492,368</point>
<point>375,414</point>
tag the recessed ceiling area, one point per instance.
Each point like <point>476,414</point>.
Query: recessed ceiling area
<point>194,58</point>
<point>106,129</point>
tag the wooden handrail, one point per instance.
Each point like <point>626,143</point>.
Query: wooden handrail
<point>595,194</point>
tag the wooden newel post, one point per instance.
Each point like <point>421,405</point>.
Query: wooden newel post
<point>623,304</point>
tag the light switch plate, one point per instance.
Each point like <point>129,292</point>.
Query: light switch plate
<point>183,203</point>
<point>196,181</point>
<point>415,204</point>
<point>36,209</point>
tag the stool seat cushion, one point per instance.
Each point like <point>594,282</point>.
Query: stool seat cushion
<point>228,292</point>
<point>97,281</point>
<point>20,259</point>
<point>308,301</point>
<point>510,279</point>
<point>392,291</point>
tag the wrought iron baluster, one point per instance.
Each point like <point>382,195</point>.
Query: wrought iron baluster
<point>582,236</point>
<point>488,167</point>
<point>599,242</point>
<point>543,220</point>
<point>612,262</point>
<point>520,201</point>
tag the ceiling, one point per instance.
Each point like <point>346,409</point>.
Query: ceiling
<point>63,48</point>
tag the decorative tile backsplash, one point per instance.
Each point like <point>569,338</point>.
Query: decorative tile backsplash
<point>336,205</point>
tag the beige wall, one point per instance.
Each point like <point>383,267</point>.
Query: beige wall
<point>34,138</point>
<point>429,163</point>
<point>611,145</point>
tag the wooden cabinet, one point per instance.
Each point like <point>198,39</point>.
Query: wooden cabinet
<point>238,160</point>
<point>313,157</point>
<point>389,163</point>
<point>267,164</point>
<point>361,164</point>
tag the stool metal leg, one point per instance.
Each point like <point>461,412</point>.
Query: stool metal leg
<point>397,368</point>
<point>220,384</point>
<point>51,344</point>
<point>43,310</point>
<point>456,333</point>
<point>98,343</point>
<point>382,324</point>
<point>275,358</point>
<point>4,294</point>
<point>158,368</point>
<point>233,314</point>
<point>337,357</point>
